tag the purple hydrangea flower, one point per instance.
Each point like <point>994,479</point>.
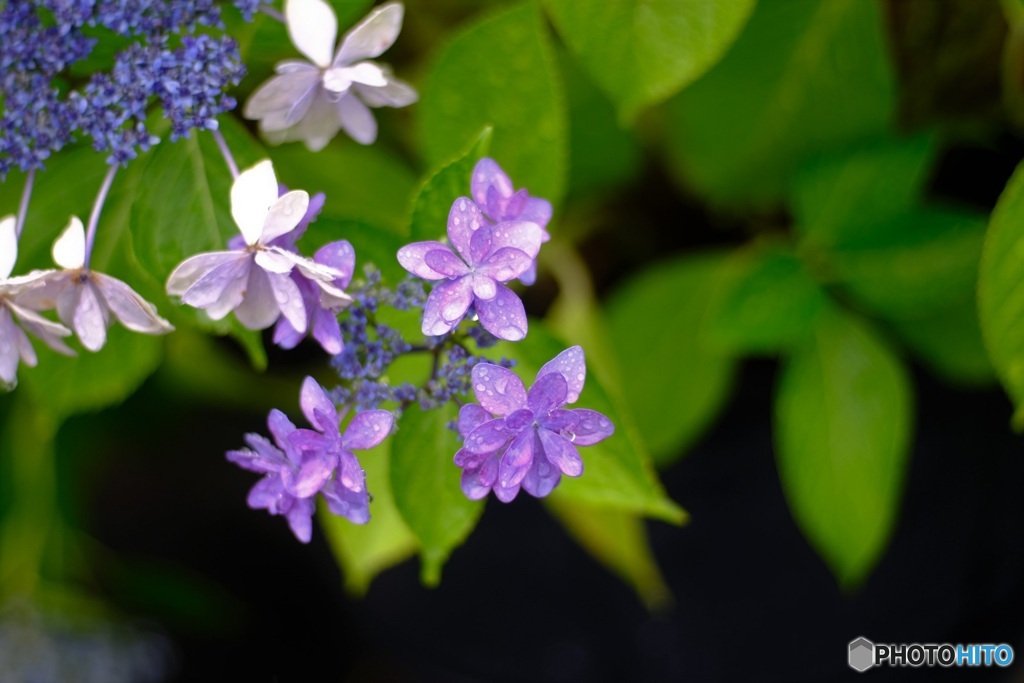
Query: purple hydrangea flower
<point>517,439</point>
<point>490,256</point>
<point>86,301</point>
<point>311,101</point>
<point>494,193</point>
<point>255,282</point>
<point>14,343</point>
<point>301,463</point>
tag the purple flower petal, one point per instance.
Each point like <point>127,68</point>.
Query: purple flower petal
<point>529,276</point>
<point>484,287</point>
<point>571,364</point>
<point>285,335</point>
<point>353,505</point>
<point>446,305</point>
<point>473,486</point>
<point>289,300</point>
<point>261,456</point>
<point>471,416</point>
<point>89,320</point>
<point>561,453</point>
<point>489,178</point>
<point>357,119</point>
<point>412,256</point>
<point>591,427</point>
<point>488,437</point>
<point>536,211</point>
<point>560,420</point>
<point>327,331</point>
<point>506,494</point>
<point>190,271</point>
<point>342,257</point>
<point>284,215</point>
<point>445,262</point>
<point>258,309</point>
<point>374,34</point>
<point>132,310</point>
<point>505,264</point>
<point>522,235</point>
<point>280,428</point>
<point>310,477</point>
<point>350,474</point>
<point>367,429</point>
<point>497,389</point>
<point>504,315</point>
<point>464,220</point>
<point>517,459</point>
<point>519,419</point>
<point>542,478</point>
<point>12,341</point>
<point>480,245</point>
<point>312,398</point>
<point>268,494</point>
<point>548,393</point>
<point>300,518</point>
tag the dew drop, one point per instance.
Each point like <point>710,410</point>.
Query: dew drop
<point>571,436</point>
<point>480,387</point>
<point>462,205</point>
<point>456,220</point>
<point>580,376</point>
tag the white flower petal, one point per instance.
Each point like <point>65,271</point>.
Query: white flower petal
<point>357,119</point>
<point>367,73</point>
<point>317,127</point>
<point>10,349</point>
<point>291,66</point>
<point>283,100</point>
<point>395,94</point>
<point>132,310</point>
<point>69,249</point>
<point>289,300</point>
<point>252,194</point>
<point>8,246</point>
<point>372,36</point>
<point>313,28</point>
<point>258,309</point>
<point>284,215</point>
<point>220,290</point>
<point>332,297</point>
<point>46,330</point>
<point>90,317</point>
<point>273,261</point>
<point>308,267</point>
<point>195,267</point>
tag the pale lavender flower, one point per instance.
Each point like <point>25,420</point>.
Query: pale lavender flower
<point>532,440</point>
<point>293,476</point>
<point>14,343</point>
<point>311,101</point>
<point>346,492</point>
<point>490,256</point>
<point>321,310</point>
<point>255,282</point>
<point>301,463</point>
<point>494,193</point>
<point>88,301</point>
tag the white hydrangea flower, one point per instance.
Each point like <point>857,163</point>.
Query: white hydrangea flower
<point>311,101</point>
<point>255,281</point>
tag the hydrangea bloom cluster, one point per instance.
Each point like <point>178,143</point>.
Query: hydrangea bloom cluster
<point>301,463</point>
<point>311,101</point>
<point>43,40</point>
<point>517,439</point>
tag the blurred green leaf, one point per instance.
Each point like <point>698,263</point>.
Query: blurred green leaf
<point>1000,294</point>
<point>843,421</point>
<point>372,244</point>
<point>433,203</point>
<point>619,541</point>
<point>836,195</point>
<point>804,76</point>
<point>425,484</point>
<point>365,550</point>
<point>602,153</point>
<point>674,382</point>
<point>922,262</point>
<point>949,342</point>
<point>770,303</point>
<point>363,184</point>
<point>617,472</point>
<point>501,72</point>
<point>643,52</point>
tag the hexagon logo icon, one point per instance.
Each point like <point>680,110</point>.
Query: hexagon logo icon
<point>862,654</point>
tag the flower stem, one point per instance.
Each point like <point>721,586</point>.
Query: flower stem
<point>97,207</point>
<point>26,194</point>
<point>272,13</point>
<point>225,151</point>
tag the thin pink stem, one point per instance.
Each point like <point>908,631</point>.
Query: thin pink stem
<point>26,194</point>
<point>272,13</point>
<point>222,145</point>
<point>97,207</point>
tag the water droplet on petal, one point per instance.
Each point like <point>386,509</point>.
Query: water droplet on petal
<point>480,387</point>
<point>580,376</point>
<point>570,435</point>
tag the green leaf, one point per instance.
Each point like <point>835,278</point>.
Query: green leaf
<point>914,264</point>
<point>425,484</point>
<point>949,342</point>
<point>433,203</point>
<point>183,208</point>
<point>617,472</point>
<point>771,302</point>
<point>363,184</point>
<point>803,77</point>
<point>1001,291</point>
<point>365,550</point>
<point>500,72</point>
<point>843,420</point>
<point>674,382</point>
<point>640,53</point>
<point>619,541</point>
<point>836,195</point>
